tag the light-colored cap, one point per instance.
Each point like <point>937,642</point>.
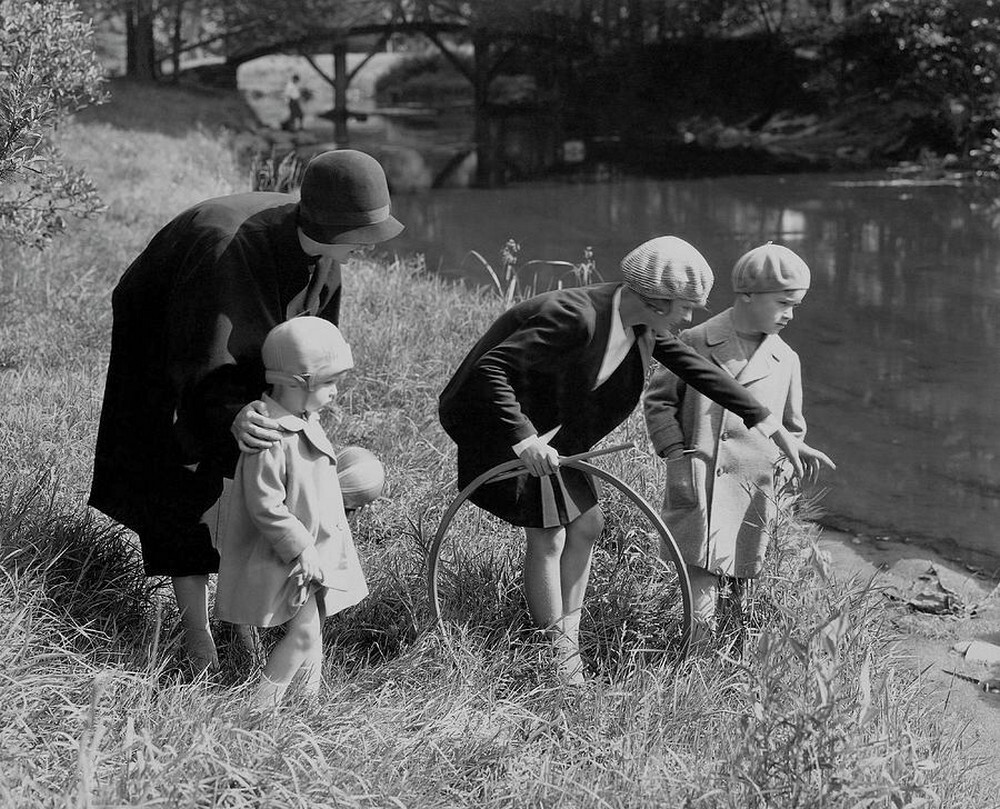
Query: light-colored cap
<point>770,268</point>
<point>303,349</point>
<point>668,267</point>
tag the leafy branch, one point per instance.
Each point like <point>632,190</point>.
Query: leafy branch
<point>48,70</point>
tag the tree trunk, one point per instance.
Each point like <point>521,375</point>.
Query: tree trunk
<point>177,40</point>
<point>340,80</point>
<point>140,58</point>
<point>636,24</point>
<point>489,171</point>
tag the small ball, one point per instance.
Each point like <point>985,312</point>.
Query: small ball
<point>361,476</point>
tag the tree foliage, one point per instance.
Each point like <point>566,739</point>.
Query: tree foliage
<point>47,71</point>
<point>928,68</point>
<point>944,55</point>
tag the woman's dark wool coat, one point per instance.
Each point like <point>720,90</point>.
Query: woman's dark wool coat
<point>190,316</point>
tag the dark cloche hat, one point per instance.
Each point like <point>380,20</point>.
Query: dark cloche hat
<point>345,200</point>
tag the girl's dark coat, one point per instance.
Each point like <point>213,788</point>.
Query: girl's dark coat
<point>535,368</point>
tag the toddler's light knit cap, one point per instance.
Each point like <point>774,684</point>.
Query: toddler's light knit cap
<point>303,348</point>
<point>770,268</point>
<point>670,268</point>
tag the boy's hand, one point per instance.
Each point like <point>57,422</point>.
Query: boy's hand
<point>308,564</point>
<point>814,460</point>
<point>254,429</point>
<point>789,445</point>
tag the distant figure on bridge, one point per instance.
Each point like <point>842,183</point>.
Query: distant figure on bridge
<point>293,95</point>
<point>719,502</point>
<point>554,375</point>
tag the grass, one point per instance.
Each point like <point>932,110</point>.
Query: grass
<point>94,710</point>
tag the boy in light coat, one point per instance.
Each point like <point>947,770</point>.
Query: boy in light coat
<point>719,502</point>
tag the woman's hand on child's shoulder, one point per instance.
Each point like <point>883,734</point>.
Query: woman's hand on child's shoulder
<point>254,429</point>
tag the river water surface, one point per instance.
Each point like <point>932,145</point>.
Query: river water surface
<point>898,336</point>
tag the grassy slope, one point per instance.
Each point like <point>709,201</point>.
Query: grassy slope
<point>92,711</point>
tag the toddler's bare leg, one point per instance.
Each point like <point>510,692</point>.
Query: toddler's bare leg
<point>312,668</point>
<point>312,674</point>
<point>301,641</point>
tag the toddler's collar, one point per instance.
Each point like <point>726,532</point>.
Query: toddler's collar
<point>285,418</point>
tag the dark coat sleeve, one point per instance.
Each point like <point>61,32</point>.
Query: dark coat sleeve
<point>710,380</point>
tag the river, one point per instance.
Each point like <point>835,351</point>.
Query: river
<point>898,335</point>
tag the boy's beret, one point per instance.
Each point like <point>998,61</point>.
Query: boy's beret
<point>770,268</point>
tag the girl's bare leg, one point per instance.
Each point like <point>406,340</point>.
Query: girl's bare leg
<point>581,534</point>
<point>556,572</point>
<point>543,574</point>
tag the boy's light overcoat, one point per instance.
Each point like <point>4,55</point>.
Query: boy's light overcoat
<point>284,499</point>
<point>719,500</point>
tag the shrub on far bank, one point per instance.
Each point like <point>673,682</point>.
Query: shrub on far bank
<point>427,78</point>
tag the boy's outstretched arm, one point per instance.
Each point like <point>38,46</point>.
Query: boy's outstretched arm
<point>710,380</point>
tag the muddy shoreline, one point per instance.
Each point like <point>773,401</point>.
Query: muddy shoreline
<point>925,642</point>
<point>972,559</point>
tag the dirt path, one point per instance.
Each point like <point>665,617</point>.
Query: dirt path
<point>902,571</point>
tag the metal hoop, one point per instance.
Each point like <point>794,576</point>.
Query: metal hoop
<point>434,554</point>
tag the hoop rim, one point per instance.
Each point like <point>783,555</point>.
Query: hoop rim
<point>434,552</point>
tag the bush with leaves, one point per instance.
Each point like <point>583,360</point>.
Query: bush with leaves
<point>48,70</point>
<point>943,55</point>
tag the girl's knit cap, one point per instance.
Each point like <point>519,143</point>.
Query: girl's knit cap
<point>770,268</point>
<point>669,268</point>
<point>345,200</point>
<point>305,349</point>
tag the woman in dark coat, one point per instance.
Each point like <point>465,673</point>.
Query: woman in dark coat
<point>190,316</point>
<point>553,376</point>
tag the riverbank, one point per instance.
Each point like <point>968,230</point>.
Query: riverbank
<point>957,604</point>
<point>94,709</point>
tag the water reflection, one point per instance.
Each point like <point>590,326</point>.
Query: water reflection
<point>898,336</point>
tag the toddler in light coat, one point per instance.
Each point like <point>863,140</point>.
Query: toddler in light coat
<point>287,556</point>
<point>719,501</point>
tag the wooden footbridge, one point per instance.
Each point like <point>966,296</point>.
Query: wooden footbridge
<point>490,50</point>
